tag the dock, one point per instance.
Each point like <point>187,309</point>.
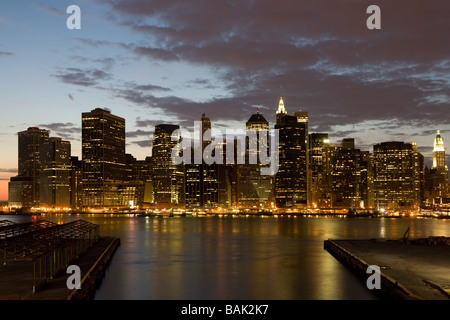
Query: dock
<point>35,257</point>
<point>416,269</point>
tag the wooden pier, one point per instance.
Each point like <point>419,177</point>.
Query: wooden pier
<point>409,269</point>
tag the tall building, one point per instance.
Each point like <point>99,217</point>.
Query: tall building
<point>255,189</point>
<point>205,182</point>
<point>103,153</point>
<point>350,183</point>
<point>291,180</point>
<point>55,174</point>
<point>29,168</point>
<point>439,153</point>
<point>76,178</point>
<point>167,177</point>
<point>20,192</point>
<point>281,111</point>
<point>319,167</point>
<point>436,177</point>
<point>397,172</point>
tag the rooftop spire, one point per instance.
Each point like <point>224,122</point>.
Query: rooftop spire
<point>281,108</point>
<point>438,142</point>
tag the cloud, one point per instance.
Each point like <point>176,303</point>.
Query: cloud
<point>7,173</point>
<point>321,54</point>
<point>138,133</point>
<point>156,53</point>
<point>63,130</point>
<point>145,123</point>
<point>144,143</point>
<point>318,55</point>
<point>6,54</point>
<point>51,10</point>
<point>85,78</point>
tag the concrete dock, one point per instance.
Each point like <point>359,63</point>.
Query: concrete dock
<point>16,277</point>
<point>411,270</point>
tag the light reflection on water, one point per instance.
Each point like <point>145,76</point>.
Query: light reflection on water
<point>238,258</point>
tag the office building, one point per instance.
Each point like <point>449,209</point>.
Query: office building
<point>29,168</point>
<point>350,176</point>
<point>397,174</point>
<point>55,174</point>
<point>167,177</point>
<point>103,155</point>
<point>436,177</point>
<point>206,183</point>
<point>320,169</point>
<point>254,188</point>
<point>291,180</point>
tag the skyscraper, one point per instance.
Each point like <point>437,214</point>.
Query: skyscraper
<point>397,170</point>
<point>436,177</point>
<point>281,111</point>
<point>291,180</point>
<point>254,189</point>
<point>205,181</point>
<point>320,164</point>
<point>439,153</point>
<point>24,189</point>
<point>103,155</point>
<point>350,176</point>
<point>167,177</point>
<point>55,175</point>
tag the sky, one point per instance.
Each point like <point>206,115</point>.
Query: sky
<point>155,62</point>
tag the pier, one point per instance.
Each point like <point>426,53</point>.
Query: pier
<point>410,269</point>
<point>35,256</point>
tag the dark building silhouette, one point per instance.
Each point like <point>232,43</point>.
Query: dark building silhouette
<point>167,177</point>
<point>255,189</point>
<point>291,180</point>
<point>29,169</point>
<point>20,192</point>
<point>204,180</point>
<point>350,176</point>
<point>76,178</point>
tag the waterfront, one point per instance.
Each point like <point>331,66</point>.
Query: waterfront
<point>212,258</point>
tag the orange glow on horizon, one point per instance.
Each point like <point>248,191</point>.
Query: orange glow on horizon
<point>4,190</point>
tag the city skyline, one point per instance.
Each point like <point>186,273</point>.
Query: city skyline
<point>170,62</point>
<point>112,178</point>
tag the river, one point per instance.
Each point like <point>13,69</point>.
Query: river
<point>250,258</point>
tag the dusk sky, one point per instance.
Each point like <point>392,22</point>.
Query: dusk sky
<point>155,62</point>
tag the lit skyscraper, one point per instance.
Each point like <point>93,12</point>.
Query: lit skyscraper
<point>320,163</point>
<point>439,152</point>
<point>397,174</point>
<point>281,111</point>
<point>167,177</point>
<point>24,189</point>
<point>350,183</point>
<point>103,155</point>
<point>436,178</point>
<point>291,180</point>
<point>55,175</point>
